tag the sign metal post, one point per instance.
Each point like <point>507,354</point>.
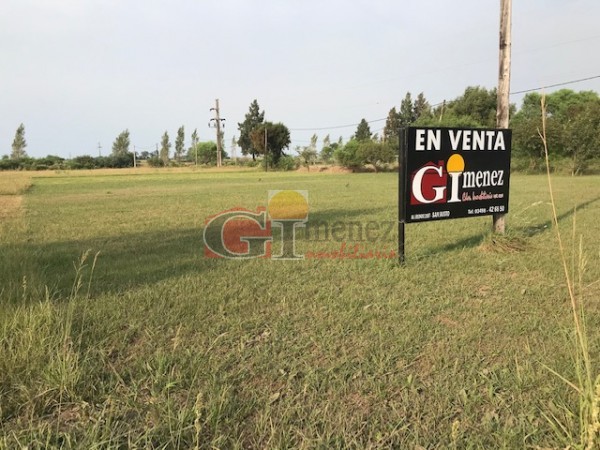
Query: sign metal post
<point>402,195</point>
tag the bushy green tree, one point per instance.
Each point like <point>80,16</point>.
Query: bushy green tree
<point>572,129</point>
<point>206,152</point>
<point>121,145</point>
<point>582,135</point>
<point>348,156</point>
<point>377,154</point>
<point>356,154</point>
<point>327,150</point>
<point>477,105</point>
<point>308,154</point>
<point>277,139</point>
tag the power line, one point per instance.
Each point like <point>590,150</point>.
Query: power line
<point>555,85</point>
<point>334,127</point>
<point>440,103</point>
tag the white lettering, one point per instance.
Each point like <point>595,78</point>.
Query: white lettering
<point>420,141</point>
<point>499,145</point>
<point>466,145</point>
<point>490,138</point>
<point>483,179</point>
<point>478,140</point>
<point>454,179</point>
<point>430,141</point>
<point>434,140</point>
<point>466,140</point>
<point>455,139</point>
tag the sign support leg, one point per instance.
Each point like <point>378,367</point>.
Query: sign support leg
<point>401,196</point>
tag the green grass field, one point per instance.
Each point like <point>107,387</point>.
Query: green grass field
<point>152,345</point>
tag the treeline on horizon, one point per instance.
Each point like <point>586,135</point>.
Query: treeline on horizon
<point>572,127</point>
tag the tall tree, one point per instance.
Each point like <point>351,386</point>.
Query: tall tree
<point>421,107</point>
<point>121,145</point>
<point>392,127</point>
<point>582,134</point>
<point>406,115</point>
<point>363,132</point>
<point>165,146</point>
<point>19,144</point>
<point>179,143</point>
<point>308,154</point>
<point>313,142</point>
<point>572,128</point>
<point>277,139</point>
<point>477,104</point>
<point>326,150</point>
<point>194,147</point>
<point>253,119</point>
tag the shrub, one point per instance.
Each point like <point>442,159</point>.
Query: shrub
<point>155,161</point>
<point>286,163</point>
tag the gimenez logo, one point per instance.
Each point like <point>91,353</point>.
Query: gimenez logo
<point>241,233</point>
<point>446,182</point>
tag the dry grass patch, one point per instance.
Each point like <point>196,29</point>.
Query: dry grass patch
<point>14,183</point>
<point>10,206</point>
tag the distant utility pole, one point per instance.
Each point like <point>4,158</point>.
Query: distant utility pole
<point>503,105</point>
<point>134,159</point>
<point>233,149</point>
<point>99,149</point>
<point>216,122</point>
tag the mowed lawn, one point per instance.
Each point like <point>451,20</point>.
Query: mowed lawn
<point>145,343</point>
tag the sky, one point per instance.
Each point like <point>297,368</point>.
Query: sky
<point>78,72</point>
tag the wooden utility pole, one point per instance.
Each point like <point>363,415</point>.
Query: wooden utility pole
<point>134,158</point>
<point>217,124</point>
<point>503,106</point>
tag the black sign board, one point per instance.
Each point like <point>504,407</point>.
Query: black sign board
<point>449,173</point>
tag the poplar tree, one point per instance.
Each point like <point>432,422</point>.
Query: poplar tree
<point>165,146</point>
<point>19,144</point>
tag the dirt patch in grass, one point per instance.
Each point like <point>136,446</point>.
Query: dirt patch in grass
<point>324,169</point>
<point>504,244</point>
